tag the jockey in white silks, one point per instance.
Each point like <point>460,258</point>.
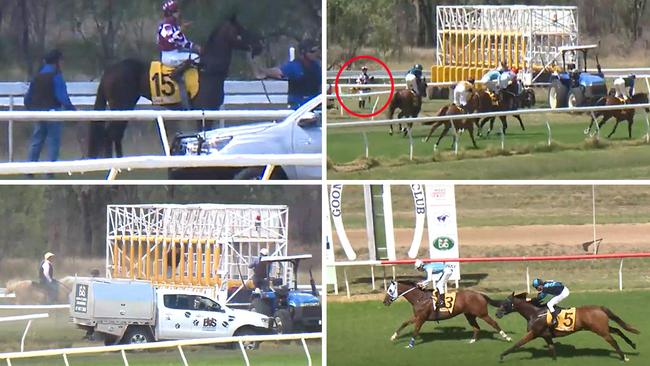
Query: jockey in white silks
<point>462,92</point>
<point>619,88</point>
<point>506,78</point>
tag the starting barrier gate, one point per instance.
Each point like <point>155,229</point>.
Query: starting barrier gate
<point>474,39</point>
<point>192,246</point>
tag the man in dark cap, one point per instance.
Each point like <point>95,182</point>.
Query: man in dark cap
<point>47,92</point>
<point>303,74</point>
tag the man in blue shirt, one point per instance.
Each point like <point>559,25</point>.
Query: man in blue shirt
<point>303,74</point>
<point>554,288</point>
<point>47,91</point>
<point>438,273</point>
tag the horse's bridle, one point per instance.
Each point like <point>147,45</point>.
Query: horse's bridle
<point>398,295</point>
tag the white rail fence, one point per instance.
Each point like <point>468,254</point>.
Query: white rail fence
<point>420,120</point>
<point>65,352</point>
<point>29,319</point>
<point>150,162</point>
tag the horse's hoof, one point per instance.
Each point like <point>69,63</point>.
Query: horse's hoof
<point>626,359</point>
<point>409,346</point>
<point>472,341</point>
<point>392,338</point>
<point>508,339</point>
<point>586,131</point>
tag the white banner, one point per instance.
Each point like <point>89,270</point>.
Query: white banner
<point>336,192</point>
<point>419,203</point>
<point>388,222</point>
<point>441,222</point>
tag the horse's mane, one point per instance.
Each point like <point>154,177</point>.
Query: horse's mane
<point>217,29</point>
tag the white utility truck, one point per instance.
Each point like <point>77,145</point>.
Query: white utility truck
<point>130,311</point>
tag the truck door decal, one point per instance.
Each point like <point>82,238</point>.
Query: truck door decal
<point>81,299</point>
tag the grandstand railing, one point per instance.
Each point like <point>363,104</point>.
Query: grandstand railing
<point>65,352</point>
<point>392,264</point>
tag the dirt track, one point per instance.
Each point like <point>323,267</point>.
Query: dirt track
<point>526,240</point>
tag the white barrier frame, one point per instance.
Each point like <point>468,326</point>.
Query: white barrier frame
<point>64,352</point>
<point>29,319</point>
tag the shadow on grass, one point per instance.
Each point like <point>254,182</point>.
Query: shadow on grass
<point>566,351</point>
<point>452,333</point>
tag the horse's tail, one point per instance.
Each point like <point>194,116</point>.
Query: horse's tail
<point>619,321</point>
<point>495,303</point>
<point>100,99</point>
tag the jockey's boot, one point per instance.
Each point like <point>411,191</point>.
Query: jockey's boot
<point>554,315</point>
<point>177,75</point>
<point>441,301</point>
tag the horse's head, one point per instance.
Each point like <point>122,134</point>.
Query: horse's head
<point>235,36</point>
<point>640,98</point>
<point>391,294</point>
<point>507,306</point>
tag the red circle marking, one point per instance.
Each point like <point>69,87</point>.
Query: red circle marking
<point>336,86</point>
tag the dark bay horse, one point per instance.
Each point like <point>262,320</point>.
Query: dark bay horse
<point>125,82</point>
<point>470,303</point>
<point>592,318</point>
<point>459,124</point>
<point>409,105</point>
<point>507,100</point>
<point>620,115</point>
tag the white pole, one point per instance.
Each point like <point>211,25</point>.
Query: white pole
<point>10,132</point>
<point>365,142</point>
<point>593,210</point>
<point>340,93</point>
<point>647,127</point>
<point>126,362</point>
<point>22,341</point>
<point>180,350</point>
<point>548,128</point>
<point>503,138</point>
<point>304,345</point>
<point>372,276</point>
<point>163,135</point>
<point>620,276</point>
<point>393,267</point>
<point>65,360</point>
<point>243,351</point>
<point>347,284</point>
<point>527,280</point>
<point>410,144</point>
<point>292,53</point>
<point>388,222</point>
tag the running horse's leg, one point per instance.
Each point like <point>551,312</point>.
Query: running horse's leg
<point>416,331</point>
<point>404,325</point>
<point>527,338</point>
<point>551,347</point>
<point>486,318</point>
<point>471,319</point>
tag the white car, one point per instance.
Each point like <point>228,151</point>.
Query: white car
<point>300,133</point>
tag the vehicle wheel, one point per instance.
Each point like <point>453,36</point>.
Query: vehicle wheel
<point>575,99</point>
<point>246,331</point>
<point>136,335</point>
<point>261,306</point>
<point>557,95</point>
<point>255,173</point>
<point>283,321</point>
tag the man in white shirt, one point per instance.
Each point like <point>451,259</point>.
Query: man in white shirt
<point>46,277</point>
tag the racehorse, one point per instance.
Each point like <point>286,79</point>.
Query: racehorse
<point>470,303</point>
<point>409,105</point>
<point>30,292</point>
<point>452,109</point>
<point>507,100</point>
<point>125,82</point>
<point>620,115</point>
<point>592,318</point>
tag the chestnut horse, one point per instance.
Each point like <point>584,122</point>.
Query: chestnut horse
<point>30,292</point>
<point>459,124</point>
<point>620,115</point>
<point>591,317</point>
<point>409,105</point>
<point>470,303</point>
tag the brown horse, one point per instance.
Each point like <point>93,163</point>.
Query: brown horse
<point>470,303</point>
<point>507,100</point>
<point>620,115</point>
<point>459,124</point>
<point>409,105</point>
<point>29,292</point>
<point>592,318</point>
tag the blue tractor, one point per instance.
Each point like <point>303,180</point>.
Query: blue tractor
<point>293,309</point>
<point>573,86</point>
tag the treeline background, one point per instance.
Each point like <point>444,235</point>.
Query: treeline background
<point>71,220</point>
<point>96,33</point>
<point>391,27</point>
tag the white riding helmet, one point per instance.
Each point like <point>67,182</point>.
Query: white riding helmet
<point>264,252</point>
<point>418,263</point>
